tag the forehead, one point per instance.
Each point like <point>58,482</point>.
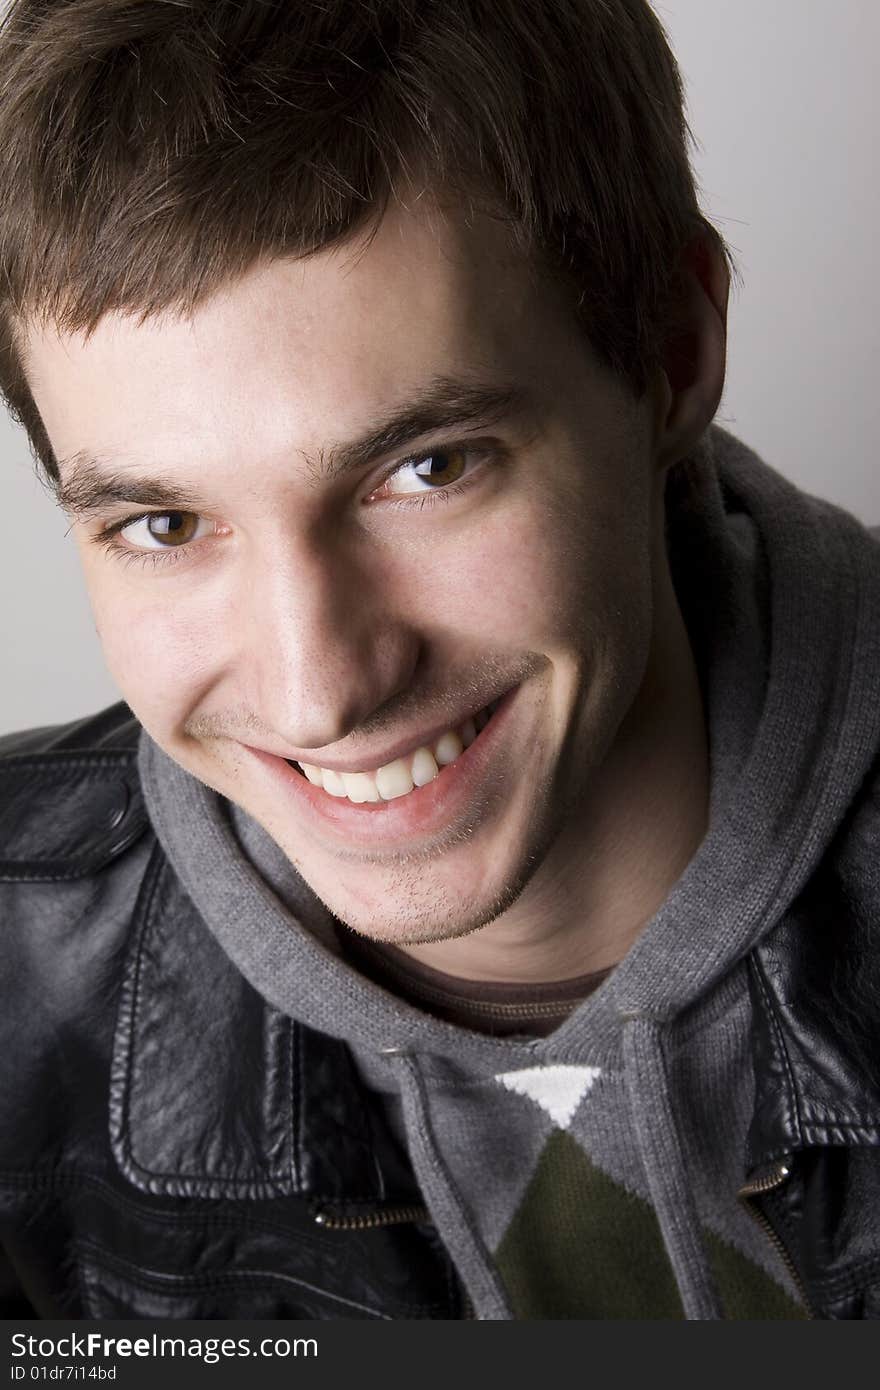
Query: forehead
<point>295,351</point>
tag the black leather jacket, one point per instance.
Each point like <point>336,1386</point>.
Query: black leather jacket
<point>173,1147</point>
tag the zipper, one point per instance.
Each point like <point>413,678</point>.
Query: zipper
<point>370,1220</point>
<point>770,1181</point>
<point>391,1216</point>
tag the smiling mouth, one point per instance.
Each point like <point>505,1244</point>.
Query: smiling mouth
<point>403,775</point>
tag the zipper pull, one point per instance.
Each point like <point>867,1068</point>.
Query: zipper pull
<point>766,1179</point>
<point>370,1220</point>
<point>762,1181</point>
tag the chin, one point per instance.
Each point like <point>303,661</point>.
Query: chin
<point>420,903</point>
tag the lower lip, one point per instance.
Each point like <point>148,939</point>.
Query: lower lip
<point>422,811</point>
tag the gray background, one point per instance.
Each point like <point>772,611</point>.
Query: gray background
<point>781,98</point>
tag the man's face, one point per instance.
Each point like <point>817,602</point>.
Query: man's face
<point>295,598</point>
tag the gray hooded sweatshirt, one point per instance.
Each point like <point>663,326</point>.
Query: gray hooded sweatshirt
<point>593,1172</point>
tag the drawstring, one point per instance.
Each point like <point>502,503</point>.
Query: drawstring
<point>661,1149</point>
<point>450,1215</point>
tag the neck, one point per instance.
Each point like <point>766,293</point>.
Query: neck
<point>611,869</point>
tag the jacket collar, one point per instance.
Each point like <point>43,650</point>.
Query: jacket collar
<point>814,1053</point>
<point>216,1094</point>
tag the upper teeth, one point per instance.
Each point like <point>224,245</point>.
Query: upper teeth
<point>399,777</point>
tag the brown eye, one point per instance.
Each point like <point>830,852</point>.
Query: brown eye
<point>165,530</point>
<point>443,467</point>
<point>429,473</point>
<point>173,528</point>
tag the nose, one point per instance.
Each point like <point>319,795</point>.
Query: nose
<point>327,645</point>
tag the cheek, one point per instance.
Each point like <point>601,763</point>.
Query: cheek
<point>157,649</point>
<point>534,574</point>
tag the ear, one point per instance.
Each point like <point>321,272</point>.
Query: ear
<point>691,381</point>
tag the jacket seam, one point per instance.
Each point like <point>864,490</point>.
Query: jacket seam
<point>157,1281</point>
<point>39,870</point>
<point>60,761</point>
<point>209,1216</point>
<point>127,1020</point>
<point>119,1103</point>
<point>177,1283</point>
<point>813,1128</point>
<point>295,1175</point>
<point>853,1281</point>
<point>297,1118</point>
<point>764,990</point>
<point>31,872</point>
<point>107,757</point>
<point>14,1180</point>
<point>267,1184</point>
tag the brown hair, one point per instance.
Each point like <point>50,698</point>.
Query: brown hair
<point>151,149</point>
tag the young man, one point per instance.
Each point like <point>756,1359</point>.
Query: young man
<point>472,910</point>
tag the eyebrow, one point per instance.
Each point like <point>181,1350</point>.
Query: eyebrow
<point>88,483</point>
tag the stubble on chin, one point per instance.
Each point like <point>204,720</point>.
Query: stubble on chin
<point>423,912</point>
